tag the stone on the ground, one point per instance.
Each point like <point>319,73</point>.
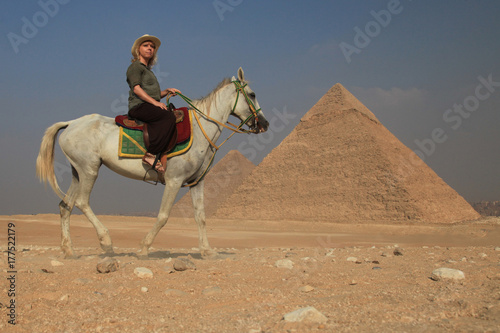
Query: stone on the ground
<point>255,330</point>
<point>82,281</point>
<point>398,251</point>
<point>182,264</point>
<point>143,272</point>
<point>330,253</point>
<point>107,265</point>
<point>306,289</point>
<point>447,273</point>
<point>308,315</point>
<point>352,259</point>
<point>56,263</point>
<point>284,263</point>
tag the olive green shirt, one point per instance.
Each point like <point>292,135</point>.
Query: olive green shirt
<point>140,74</point>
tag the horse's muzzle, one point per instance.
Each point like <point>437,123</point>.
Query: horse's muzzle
<point>262,124</point>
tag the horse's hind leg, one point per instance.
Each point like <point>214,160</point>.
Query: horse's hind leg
<point>65,208</point>
<point>87,182</point>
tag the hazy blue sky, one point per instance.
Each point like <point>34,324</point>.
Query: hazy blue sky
<point>429,70</point>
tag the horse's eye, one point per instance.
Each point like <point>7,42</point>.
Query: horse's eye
<point>252,95</point>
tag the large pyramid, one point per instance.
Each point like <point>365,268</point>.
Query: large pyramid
<point>340,164</point>
<point>222,179</point>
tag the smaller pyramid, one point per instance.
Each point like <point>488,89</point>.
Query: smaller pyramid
<point>222,179</point>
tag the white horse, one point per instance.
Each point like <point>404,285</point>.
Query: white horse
<point>92,140</point>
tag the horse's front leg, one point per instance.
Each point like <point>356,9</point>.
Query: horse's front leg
<point>172,187</point>
<point>197,194</point>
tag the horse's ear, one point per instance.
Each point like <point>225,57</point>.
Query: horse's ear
<point>241,74</point>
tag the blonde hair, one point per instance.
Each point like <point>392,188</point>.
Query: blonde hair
<point>152,61</point>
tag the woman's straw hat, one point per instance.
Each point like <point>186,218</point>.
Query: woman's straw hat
<point>144,38</point>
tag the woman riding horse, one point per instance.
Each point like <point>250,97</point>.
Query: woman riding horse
<point>144,101</point>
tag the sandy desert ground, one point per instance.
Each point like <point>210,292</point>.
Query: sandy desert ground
<point>360,277</point>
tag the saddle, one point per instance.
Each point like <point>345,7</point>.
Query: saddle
<point>134,124</point>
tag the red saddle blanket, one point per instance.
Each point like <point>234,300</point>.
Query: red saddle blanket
<point>183,123</point>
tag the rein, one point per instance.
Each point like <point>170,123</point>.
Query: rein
<point>234,128</point>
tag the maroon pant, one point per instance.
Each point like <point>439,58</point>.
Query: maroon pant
<point>161,126</point>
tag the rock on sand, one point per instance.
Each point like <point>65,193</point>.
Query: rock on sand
<point>308,314</point>
<point>447,273</point>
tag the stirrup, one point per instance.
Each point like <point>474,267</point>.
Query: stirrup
<point>151,181</point>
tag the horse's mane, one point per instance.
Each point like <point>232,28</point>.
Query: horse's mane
<point>208,99</point>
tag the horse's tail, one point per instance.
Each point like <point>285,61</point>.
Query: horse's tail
<point>45,159</point>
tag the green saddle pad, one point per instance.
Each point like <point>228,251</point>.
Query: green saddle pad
<point>132,144</point>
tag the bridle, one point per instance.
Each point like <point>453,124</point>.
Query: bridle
<point>240,88</point>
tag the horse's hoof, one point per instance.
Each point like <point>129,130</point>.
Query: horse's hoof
<point>109,252</point>
<point>108,255</point>
<point>209,254</point>
<point>143,255</point>
<point>69,254</point>
<point>108,249</point>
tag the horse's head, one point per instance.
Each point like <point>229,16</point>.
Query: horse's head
<point>246,107</point>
